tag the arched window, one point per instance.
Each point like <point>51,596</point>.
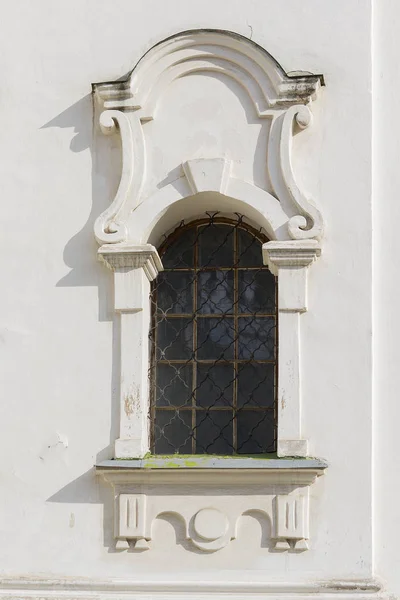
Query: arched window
<point>213,342</point>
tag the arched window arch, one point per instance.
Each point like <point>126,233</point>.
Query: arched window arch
<point>213,371</point>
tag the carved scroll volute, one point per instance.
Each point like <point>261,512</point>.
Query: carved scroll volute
<point>110,227</point>
<point>308,223</point>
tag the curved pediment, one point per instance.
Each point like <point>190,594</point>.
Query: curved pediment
<point>212,51</point>
<point>207,111</point>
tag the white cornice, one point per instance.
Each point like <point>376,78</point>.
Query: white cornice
<point>223,52</point>
<point>296,253</point>
<point>127,256</point>
<point>183,477</point>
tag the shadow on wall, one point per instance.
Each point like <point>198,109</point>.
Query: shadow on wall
<point>80,254</point>
<point>86,490</point>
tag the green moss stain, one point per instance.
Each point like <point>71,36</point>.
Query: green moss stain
<point>176,461</point>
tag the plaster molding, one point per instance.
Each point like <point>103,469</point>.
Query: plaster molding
<point>210,520</point>
<point>267,209</point>
<point>289,261</point>
<point>141,215</point>
<point>291,254</point>
<point>308,223</point>
<point>110,227</point>
<point>53,588</point>
<point>129,104</point>
<point>189,52</point>
<point>207,174</point>
<point>134,267</point>
<point>131,256</point>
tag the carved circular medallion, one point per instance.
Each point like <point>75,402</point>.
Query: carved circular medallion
<point>210,523</point>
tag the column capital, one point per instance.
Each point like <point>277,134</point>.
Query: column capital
<point>290,254</point>
<point>131,256</point>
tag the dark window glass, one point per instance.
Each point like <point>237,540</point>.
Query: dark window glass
<point>213,343</point>
<point>216,246</point>
<point>215,386</point>
<point>215,292</point>
<point>175,292</point>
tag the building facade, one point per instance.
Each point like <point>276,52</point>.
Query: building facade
<point>199,310</point>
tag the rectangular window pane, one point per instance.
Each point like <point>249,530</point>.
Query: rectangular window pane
<point>255,431</point>
<point>174,339</point>
<point>173,431</point>
<point>214,432</point>
<point>256,292</point>
<point>215,339</point>
<point>257,338</point>
<point>173,385</point>
<point>256,385</point>
<point>216,246</point>
<point>175,292</point>
<point>214,385</point>
<point>215,292</point>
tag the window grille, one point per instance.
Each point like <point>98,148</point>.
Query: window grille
<point>213,341</point>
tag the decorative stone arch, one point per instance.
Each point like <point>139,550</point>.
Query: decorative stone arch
<point>147,206</point>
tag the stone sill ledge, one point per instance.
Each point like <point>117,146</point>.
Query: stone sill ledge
<point>213,462</point>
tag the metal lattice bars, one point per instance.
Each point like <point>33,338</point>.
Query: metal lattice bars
<point>213,341</point>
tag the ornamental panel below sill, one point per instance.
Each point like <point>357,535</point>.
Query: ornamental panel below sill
<point>275,491</point>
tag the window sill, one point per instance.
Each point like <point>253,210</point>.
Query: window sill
<point>262,461</point>
<point>191,469</point>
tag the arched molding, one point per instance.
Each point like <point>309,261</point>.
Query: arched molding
<point>256,70</point>
<point>155,216</point>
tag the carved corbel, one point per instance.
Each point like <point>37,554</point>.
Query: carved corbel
<point>291,521</point>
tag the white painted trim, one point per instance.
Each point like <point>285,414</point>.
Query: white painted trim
<point>87,589</point>
<point>181,476</point>
<point>276,96</point>
<point>231,54</point>
<point>110,226</point>
<point>139,499</point>
<point>290,260</point>
<point>289,217</point>
<point>134,268</point>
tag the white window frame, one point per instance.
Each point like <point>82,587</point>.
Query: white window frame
<point>294,226</point>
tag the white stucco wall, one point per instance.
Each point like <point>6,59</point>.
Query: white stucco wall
<point>59,381</point>
<point>386,320</point>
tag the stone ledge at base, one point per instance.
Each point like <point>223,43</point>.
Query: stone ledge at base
<point>25,587</point>
<point>213,462</point>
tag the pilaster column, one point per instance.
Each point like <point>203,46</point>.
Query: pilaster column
<point>134,268</point>
<point>289,260</point>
